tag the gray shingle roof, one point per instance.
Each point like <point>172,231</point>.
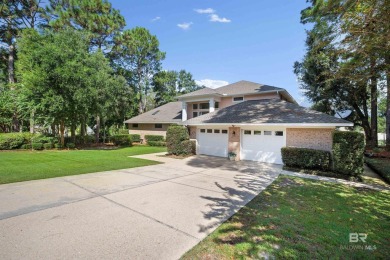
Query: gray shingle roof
<point>168,113</point>
<point>271,111</point>
<point>200,92</point>
<point>245,87</point>
<point>238,88</point>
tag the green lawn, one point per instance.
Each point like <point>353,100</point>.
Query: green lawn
<point>303,219</point>
<point>18,166</point>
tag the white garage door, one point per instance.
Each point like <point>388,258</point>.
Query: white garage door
<point>213,142</point>
<point>262,145</point>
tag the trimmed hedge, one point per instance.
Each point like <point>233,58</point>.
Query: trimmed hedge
<point>58,146</point>
<point>26,146</point>
<point>48,146</point>
<point>154,138</point>
<point>11,141</point>
<point>135,138</point>
<point>122,140</point>
<point>348,153</point>
<point>380,166</point>
<point>71,145</point>
<point>178,142</point>
<point>306,158</point>
<point>157,143</point>
<point>37,146</point>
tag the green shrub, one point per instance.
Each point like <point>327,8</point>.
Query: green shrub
<point>154,138</point>
<point>11,141</point>
<point>348,149</point>
<point>122,140</point>
<point>44,139</point>
<point>380,166</point>
<point>70,145</point>
<point>37,146</point>
<point>48,146</point>
<point>157,143</point>
<point>58,146</point>
<point>178,142</point>
<point>123,131</point>
<point>135,138</point>
<point>306,158</point>
<point>26,146</point>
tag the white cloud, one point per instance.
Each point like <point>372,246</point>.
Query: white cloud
<point>155,19</point>
<point>216,18</point>
<point>205,11</point>
<point>211,83</point>
<point>185,26</point>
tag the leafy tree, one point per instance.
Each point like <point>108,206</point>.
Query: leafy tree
<point>165,87</point>
<point>345,60</point>
<point>94,16</point>
<point>186,83</point>
<point>14,16</point>
<point>62,80</point>
<point>137,57</point>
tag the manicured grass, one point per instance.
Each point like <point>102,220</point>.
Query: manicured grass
<point>303,219</point>
<point>18,166</point>
<point>381,166</point>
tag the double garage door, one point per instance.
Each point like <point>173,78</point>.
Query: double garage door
<point>256,145</point>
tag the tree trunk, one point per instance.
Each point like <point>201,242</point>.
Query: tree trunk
<point>73,132</point>
<point>388,107</point>
<point>62,132</point>
<point>97,133</point>
<point>32,122</point>
<point>11,81</point>
<point>82,130</point>
<point>374,108</point>
<point>53,129</point>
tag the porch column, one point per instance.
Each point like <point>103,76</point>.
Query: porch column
<point>212,105</point>
<point>183,111</point>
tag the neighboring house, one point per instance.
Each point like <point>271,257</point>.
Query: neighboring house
<point>252,120</point>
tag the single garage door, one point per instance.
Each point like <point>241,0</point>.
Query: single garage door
<point>213,142</point>
<point>262,145</point>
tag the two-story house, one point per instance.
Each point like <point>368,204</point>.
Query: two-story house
<point>252,120</point>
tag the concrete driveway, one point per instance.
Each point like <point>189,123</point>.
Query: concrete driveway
<point>152,212</point>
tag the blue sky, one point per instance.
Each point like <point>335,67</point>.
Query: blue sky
<point>225,41</point>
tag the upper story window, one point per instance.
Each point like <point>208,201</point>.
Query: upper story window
<point>238,99</point>
<point>194,106</point>
<point>204,105</point>
<point>216,105</point>
<point>203,113</point>
<point>194,114</point>
<point>157,125</point>
<point>135,125</point>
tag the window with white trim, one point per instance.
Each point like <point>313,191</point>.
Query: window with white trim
<point>267,132</point>
<point>135,125</point>
<point>194,114</point>
<point>224,131</point>
<point>279,133</point>
<point>209,131</point>
<point>238,99</point>
<point>247,132</point>
<point>203,130</point>
<point>157,125</point>
<point>257,132</point>
<point>216,131</point>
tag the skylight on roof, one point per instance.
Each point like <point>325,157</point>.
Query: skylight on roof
<point>156,112</point>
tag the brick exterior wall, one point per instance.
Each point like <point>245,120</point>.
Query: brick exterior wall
<point>192,131</point>
<point>234,141</point>
<point>313,138</point>
<point>148,129</point>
